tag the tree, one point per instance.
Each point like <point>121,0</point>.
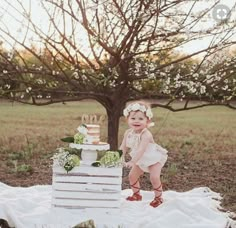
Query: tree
<point>116,51</point>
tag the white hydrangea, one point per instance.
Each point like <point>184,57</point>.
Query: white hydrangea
<point>82,129</point>
<point>135,107</point>
<point>142,108</point>
<point>125,112</point>
<point>149,113</point>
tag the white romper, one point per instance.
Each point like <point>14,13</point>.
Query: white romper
<point>153,154</point>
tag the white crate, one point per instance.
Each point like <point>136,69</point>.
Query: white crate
<point>87,187</point>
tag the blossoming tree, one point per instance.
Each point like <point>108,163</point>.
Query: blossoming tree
<point>117,51</point>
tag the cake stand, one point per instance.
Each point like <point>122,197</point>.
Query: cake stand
<point>89,151</point>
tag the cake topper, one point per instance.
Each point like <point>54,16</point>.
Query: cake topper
<point>92,119</point>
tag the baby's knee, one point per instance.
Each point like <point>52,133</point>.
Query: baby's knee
<point>133,177</point>
<point>154,177</point>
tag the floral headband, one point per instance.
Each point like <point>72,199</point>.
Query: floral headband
<point>138,107</point>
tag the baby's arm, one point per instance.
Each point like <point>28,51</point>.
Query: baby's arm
<point>145,140</point>
<point>123,146</point>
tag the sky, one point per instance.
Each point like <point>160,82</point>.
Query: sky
<point>213,17</point>
<point>7,12</point>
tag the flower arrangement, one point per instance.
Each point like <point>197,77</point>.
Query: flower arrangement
<point>109,159</point>
<point>66,159</point>
<point>138,107</point>
<point>80,137</point>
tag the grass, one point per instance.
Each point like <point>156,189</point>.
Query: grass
<point>201,144</point>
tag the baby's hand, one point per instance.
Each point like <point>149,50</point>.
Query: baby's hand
<point>129,164</point>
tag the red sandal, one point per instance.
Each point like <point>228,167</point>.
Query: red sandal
<point>158,199</point>
<point>136,196</point>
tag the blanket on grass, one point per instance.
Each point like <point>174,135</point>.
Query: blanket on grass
<point>31,207</point>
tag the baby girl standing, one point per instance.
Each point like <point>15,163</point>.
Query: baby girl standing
<point>147,156</point>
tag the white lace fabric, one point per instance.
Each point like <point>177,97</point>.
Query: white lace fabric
<point>154,153</point>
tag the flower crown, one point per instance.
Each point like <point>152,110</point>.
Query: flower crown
<point>138,107</point>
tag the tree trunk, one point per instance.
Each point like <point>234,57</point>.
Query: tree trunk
<point>113,127</point>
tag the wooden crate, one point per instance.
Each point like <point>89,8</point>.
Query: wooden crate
<point>87,187</point>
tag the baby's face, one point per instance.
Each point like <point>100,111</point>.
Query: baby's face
<point>137,121</point>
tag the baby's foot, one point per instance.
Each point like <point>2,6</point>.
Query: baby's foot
<point>135,197</point>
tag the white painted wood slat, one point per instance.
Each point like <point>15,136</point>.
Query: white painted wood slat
<point>86,169</point>
<point>87,179</point>
<point>87,187</point>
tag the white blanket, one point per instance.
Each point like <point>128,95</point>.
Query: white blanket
<point>31,207</point>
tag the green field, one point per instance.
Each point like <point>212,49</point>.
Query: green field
<point>211,129</point>
<point>201,143</point>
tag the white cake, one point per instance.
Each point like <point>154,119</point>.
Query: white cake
<point>93,133</point>
<point>87,134</point>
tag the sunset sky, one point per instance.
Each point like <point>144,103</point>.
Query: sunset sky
<point>9,16</point>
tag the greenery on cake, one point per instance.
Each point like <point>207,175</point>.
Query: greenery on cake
<point>79,137</point>
<point>69,139</point>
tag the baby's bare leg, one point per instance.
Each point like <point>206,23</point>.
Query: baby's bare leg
<point>155,173</point>
<point>134,175</point>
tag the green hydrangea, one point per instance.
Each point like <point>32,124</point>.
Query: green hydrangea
<point>72,161</point>
<point>79,138</point>
<point>111,159</point>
